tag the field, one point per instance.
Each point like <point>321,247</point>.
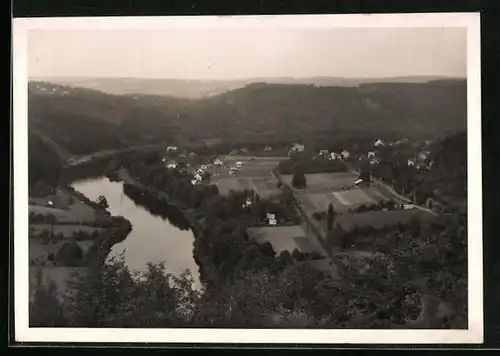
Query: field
<point>253,174</point>
<point>379,219</point>
<point>77,212</point>
<point>320,182</point>
<point>66,207</point>
<point>38,251</point>
<point>283,238</point>
<point>342,201</point>
<point>65,230</point>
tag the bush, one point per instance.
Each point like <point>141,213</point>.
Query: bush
<point>318,216</point>
<point>70,254</point>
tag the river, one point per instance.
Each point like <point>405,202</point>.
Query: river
<point>152,238</point>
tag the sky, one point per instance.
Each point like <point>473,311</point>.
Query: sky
<point>248,53</point>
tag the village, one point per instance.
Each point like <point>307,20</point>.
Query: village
<point>357,197</point>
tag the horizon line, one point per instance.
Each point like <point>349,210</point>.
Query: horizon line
<point>253,78</point>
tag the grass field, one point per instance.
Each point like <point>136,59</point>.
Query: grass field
<point>66,208</point>
<point>65,230</point>
<point>38,251</point>
<point>283,238</point>
<point>255,175</point>
<point>342,201</point>
<point>379,219</point>
<point>319,182</point>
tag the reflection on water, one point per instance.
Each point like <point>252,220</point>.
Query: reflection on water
<point>152,238</point>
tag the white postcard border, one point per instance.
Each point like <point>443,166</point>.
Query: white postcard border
<point>474,334</point>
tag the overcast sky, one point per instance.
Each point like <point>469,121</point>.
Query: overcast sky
<point>245,53</point>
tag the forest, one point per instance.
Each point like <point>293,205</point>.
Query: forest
<point>84,121</point>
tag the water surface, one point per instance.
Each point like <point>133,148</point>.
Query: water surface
<point>152,239</point>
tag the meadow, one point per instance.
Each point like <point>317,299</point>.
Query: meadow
<point>283,238</point>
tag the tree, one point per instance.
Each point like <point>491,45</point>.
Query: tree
<point>52,220</point>
<point>330,217</point>
<point>299,180</point>
<point>103,202</point>
<point>70,254</point>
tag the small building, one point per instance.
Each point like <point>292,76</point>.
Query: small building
<point>271,219</point>
<point>203,166</point>
<point>345,154</point>
<point>374,161</point>
<point>247,203</point>
<point>172,149</point>
<point>296,147</point>
<point>244,150</point>
<point>371,155</point>
<point>378,143</point>
<point>335,156</point>
<point>198,177</point>
<point>408,206</point>
<point>268,148</point>
<point>423,155</point>
<point>238,164</point>
<point>172,165</point>
<point>218,162</point>
<point>411,163</point>
<point>324,153</point>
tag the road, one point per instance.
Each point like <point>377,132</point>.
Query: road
<point>77,160</point>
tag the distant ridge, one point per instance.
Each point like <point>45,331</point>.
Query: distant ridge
<point>200,88</point>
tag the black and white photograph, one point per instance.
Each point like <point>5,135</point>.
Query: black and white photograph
<point>250,179</point>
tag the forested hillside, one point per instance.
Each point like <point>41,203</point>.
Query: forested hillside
<point>83,121</point>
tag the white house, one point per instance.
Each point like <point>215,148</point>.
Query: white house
<point>238,164</point>
<point>203,166</point>
<point>271,219</point>
<point>297,147</point>
<point>335,155</point>
<point>378,143</point>
<point>423,155</point>
<point>408,206</point>
<point>374,161</point>
<point>247,203</point>
<point>244,150</point>
<point>198,177</point>
<point>345,154</point>
<point>268,148</point>
<point>172,149</point>
<point>194,181</point>
<point>411,163</point>
<point>371,155</point>
<point>218,162</point>
<point>172,165</point>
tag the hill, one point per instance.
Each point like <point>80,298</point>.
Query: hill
<point>196,89</point>
<point>83,120</point>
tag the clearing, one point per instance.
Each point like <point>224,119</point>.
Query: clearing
<point>283,238</point>
<point>320,182</point>
<point>342,201</point>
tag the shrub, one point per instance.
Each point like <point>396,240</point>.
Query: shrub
<point>70,254</point>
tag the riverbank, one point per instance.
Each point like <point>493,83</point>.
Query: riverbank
<point>68,231</point>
